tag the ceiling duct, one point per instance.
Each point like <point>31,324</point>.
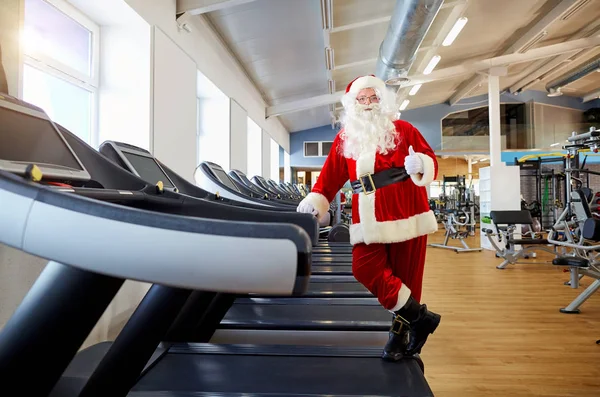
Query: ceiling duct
<point>554,86</point>
<point>408,26</point>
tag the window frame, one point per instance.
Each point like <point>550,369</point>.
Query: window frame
<point>320,150</point>
<point>57,69</point>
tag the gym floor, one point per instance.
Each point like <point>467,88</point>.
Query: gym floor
<point>502,333</point>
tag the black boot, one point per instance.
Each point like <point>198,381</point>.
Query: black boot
<point>397,343</point>
<point>422,324</point>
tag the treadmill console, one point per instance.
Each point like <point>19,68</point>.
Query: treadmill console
<point>28,137</point>
<point>141,163</point>
<point>222,176</point>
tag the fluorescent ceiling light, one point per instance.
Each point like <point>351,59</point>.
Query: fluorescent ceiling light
<point>453,34</point>
<point>404,104</point>
<point>415,89</point>
<point>432,64</point>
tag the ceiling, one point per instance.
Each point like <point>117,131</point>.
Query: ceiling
<point>281,44</point>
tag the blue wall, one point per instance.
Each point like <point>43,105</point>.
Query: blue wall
<point>297,139</point>
<point>427,120</point>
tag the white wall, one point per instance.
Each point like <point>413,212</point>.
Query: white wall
<point>287,169</point>
<point>213,60</point>
<point>238,137</point>
<point>125,63</point>
<point>266,155</point>
<point>174,106</point>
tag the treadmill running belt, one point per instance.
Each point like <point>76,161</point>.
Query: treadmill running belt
<point>366,317</point>
<point>338,290</point>
<point>283,370</point>
<point>344,270</point>
<point>332,259</point>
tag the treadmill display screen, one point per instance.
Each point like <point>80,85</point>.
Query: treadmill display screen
<point>224,178</point>
<point>29,139</point>
<point>148,169</point>
<point>250,185</point>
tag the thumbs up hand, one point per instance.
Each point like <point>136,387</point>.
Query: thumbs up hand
<point>413,163</point>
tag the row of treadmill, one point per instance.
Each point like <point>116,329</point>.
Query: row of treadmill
<point>247,296</point>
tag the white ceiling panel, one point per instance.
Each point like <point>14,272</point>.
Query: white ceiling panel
<point>346,12</point>
<point>281,45</point>
<point>306,119</point>
<point>358,44</point>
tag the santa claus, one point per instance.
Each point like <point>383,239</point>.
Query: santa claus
<point>389,164</point>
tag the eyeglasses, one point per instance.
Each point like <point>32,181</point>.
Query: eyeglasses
<point>372,99</point>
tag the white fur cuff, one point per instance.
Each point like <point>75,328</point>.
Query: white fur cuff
<point>428,171</point>
<point>320,203</point>
<point>403,296</point>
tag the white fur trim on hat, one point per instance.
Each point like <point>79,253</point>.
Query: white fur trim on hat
<point>366,82</point>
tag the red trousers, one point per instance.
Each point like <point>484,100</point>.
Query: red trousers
<point>384,268</point>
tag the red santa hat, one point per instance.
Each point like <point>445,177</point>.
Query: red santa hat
<point>362,82</point>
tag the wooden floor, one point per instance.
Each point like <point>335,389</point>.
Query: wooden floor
<point>502,333</point>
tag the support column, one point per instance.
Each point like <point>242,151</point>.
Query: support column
<point>494,111</point>
<point>470,167</point>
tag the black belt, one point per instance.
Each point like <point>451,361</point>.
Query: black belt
<point>369,183</point>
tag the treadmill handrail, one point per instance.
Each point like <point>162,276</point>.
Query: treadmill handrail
<point>154,247</point>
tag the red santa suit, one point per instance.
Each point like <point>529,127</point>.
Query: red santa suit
<point>397,215</point>
<point>390,226</point>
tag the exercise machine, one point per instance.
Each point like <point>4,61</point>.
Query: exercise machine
<point>576,228</point>
<point>510,248</point>
<point>96,246</point>
<point>450,224</point>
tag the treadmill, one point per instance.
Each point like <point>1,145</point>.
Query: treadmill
<point>214,179</point>
<point>142,163</point>
<point>323,246</point>
<point>95,246</point>
<point>334,301</point>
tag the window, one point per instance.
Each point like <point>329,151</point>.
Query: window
<point>213,109</point>
<point>60,71</point>
<point>469,129</point>
<point>317,149</point>
<point>274,161</point>
<point>254,166</point>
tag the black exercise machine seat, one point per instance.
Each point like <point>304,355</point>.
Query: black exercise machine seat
<point>129,243</point>
<point>503,219</point>
<point>568,261</point>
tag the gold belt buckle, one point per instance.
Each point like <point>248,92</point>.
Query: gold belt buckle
<point>360,179</point>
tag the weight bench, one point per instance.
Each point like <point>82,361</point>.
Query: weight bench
<point>505,224</point>
<point>580,266</point>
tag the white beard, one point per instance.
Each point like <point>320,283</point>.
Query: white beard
<point>367,131</point>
